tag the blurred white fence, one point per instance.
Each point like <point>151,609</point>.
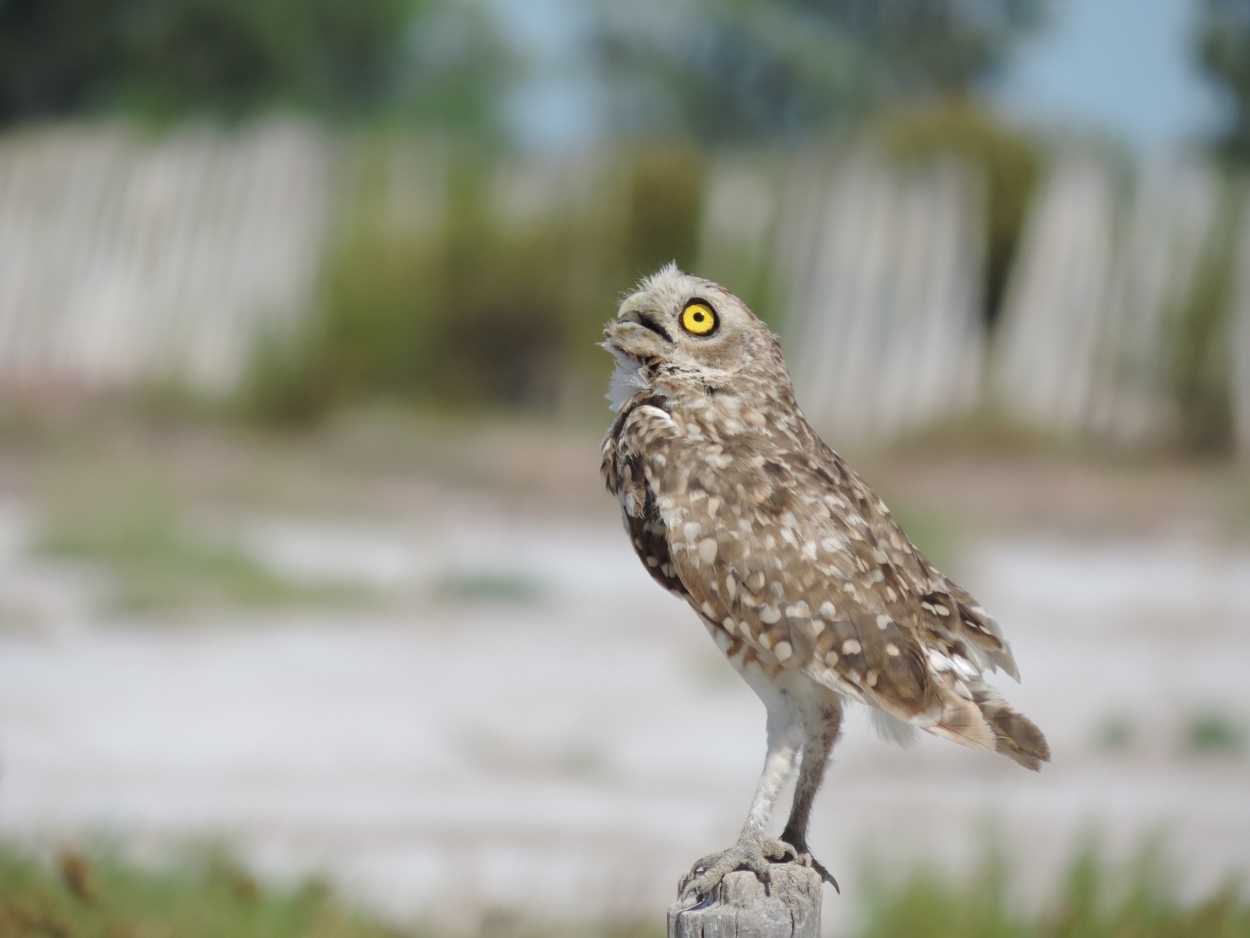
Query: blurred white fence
<point>876,273</point>
<point>1239,340</point>
<point>1089,329</point>
<point>878,270</point>
<point>125,259</point>
<point>882,294</point>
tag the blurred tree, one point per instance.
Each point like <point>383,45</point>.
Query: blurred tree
<point>55,55</point>
<point>726,70</point>
<point>1008,160</point>
<point>1224,50</point>
<point>168,58</point>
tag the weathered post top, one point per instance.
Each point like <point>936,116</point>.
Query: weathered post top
<point>743,907</point>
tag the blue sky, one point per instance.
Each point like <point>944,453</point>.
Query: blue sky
<point>1122,69</point>
<point>1119,67</point>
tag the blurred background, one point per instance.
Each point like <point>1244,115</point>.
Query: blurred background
<point>314,617</point>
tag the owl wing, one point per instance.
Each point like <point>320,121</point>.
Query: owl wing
<point>799,559</point>
<point>642,428</point>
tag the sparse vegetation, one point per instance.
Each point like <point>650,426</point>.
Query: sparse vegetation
<point>489,585</point>
<point>1200,366</point>
<point>156,560</point>
<point>1140,900</point>
<point>498,302</point>
<point>1212,732</point>
<point>1222,43</point>
<point>1009,163</point>
<point>1117,733</point>
<point>79,895</point>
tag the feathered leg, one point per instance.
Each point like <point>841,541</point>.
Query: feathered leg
<point>754,851</point>
<point>822,733</point>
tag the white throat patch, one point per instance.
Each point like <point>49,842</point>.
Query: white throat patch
<point>627,380</point>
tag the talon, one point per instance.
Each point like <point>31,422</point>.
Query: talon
<point>750,855</point>
<point>804,857</point>
<point>824,874</point>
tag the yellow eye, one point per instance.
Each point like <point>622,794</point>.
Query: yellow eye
<point>698,318</point>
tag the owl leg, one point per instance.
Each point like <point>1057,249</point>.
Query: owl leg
<point>822,734</point>
<point>753,851</point>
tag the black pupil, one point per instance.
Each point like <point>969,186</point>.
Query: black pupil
<point>698,317</point>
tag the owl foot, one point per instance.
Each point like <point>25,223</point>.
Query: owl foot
<point>806,859</point>
<point>803,857</point>
<point>747,854</point>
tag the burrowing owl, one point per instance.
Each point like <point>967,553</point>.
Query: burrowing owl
<point>795,566</point>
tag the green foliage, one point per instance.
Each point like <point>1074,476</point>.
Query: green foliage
<point>1140,901</point>
<point>501,298</point>
<point>236,55</point>
<point>169,58</point>
<point>1199,369</point>
<point>1214,733</point>
<point>928,904</point>
<point>735,70</point>
<point>665,203</point>
<point>372,333</point>
<point>82,897</point>
<point>1223,40</point>
<point>1009,164</point>
<point>489,586</point>
<point>498,301</point>
<point>158,562</point>
<point>458,72</point>
<point>465,314</point>
<point>1117,733</point>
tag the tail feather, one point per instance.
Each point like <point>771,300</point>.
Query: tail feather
<point>962,722</point>
<point>1015,735</point>
<point>975,715</point>
<point>1019,739</point>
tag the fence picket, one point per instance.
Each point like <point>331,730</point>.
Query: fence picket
<point>126,260</point>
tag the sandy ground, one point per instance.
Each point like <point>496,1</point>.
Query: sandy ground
<point>569,754</point>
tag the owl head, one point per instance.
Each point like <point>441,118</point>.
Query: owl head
<point>678,333</point>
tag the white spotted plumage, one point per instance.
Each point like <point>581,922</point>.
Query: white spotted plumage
<point>794,565</point>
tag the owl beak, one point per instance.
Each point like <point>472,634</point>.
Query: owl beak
<point>635,332</point>
<point>632,339</point>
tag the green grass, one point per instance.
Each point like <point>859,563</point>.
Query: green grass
<point>1214,733</point>
<point>468,586</point>
<point>1138,900</point>
<point>1117,733</point>
<point>156,560</point>
<point>79,895</point>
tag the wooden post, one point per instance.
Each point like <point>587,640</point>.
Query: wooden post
<point>743,907</point>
